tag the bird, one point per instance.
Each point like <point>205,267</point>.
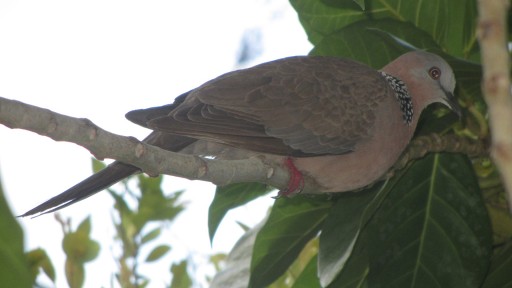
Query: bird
<point>338,121</point>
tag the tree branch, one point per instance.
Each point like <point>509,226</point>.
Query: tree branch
<point>154,161</point>
<point>150,159</point>
<point>492,35</point>
<point>450,143</point>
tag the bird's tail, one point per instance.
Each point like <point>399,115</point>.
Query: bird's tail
<point>112,174</point>
<point>107,177</point>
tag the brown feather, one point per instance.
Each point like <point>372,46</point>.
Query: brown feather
<point>292,106</point>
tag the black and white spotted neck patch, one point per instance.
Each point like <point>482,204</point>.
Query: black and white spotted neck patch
<point>402,96</point>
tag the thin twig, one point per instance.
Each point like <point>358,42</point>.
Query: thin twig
<point>420,146</point>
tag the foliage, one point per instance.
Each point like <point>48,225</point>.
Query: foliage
<point>39,260</point>
<point>15,267</point>
<point>229,197</point>
<point>79,249</point>
<point>180,278</point>
<point>139,216</point>
<point>428,225</point>
<point>134,229</point>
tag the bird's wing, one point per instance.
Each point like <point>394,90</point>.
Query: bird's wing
<point>300,106</point>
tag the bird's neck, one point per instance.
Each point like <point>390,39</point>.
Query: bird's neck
<point>411,98</point>
<point>402,96</point>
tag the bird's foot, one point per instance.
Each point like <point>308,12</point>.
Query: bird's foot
<point>296,182</point>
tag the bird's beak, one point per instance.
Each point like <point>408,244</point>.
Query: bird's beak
<point>451,102</point>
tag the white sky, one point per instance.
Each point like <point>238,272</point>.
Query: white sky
<point>99,59</point>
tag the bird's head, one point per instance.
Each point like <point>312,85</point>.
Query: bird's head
<point>429,79</point>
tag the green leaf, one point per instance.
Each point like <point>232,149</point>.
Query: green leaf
<point>157,253</point>
<point>229,197</point>
<point>153,204</point>
<point>342,256</point>
<point>308,278</point>
<point>501,267</point>
<point>291,224</point>
<point>436,17</point>
<point>143,283</point>
<point>355,271</point>
<point>356,5</point>
<point>78,246</point>
<point>340,233</point>
<point>180,277</point>
<point>432,230</point>
<point>360,3</point>
<point>75,273</point>
<point>37,259</point>
<point>460,35</point>
<point>84,227</point>
<point>468,75</point>
<point>343,225</point>
<point>93,249</point>
<point>374,42</point>
<point>126,229</point>
<point>300,263</point>
<point>14,268</point>
<point>237,269</point>
<point>97,165</point>
<point>151,235</point>
<point>429,16</point>
<point>320,18</point>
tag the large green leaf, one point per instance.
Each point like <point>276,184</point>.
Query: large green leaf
<point>460,34</point>
<point>501,267</point>
<point>340,234</point>
<point>343,225</point>
<point>14,268</point>
<point>426,15</point>
<point>450,23</point>
<point>468,75</point>
<point>291,224</point>
<point>229,197</point>
<point>320,18</point>
<point>432,230</point>
<point>374,42</point>
<point>355,271</point>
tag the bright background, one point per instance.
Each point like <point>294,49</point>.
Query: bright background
<point>99,59</point>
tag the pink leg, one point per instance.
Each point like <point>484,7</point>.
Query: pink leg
<point>296,182</point>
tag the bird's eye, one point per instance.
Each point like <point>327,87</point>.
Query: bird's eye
<point>435,73</point>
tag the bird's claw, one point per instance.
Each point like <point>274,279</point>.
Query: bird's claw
<point>296,182</point>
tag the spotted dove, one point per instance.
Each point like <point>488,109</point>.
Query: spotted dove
<point>338,121</point>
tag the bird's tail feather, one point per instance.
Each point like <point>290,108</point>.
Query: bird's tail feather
<point>112,174</point>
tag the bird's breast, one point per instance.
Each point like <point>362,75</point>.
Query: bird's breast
<point>371,158</point>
